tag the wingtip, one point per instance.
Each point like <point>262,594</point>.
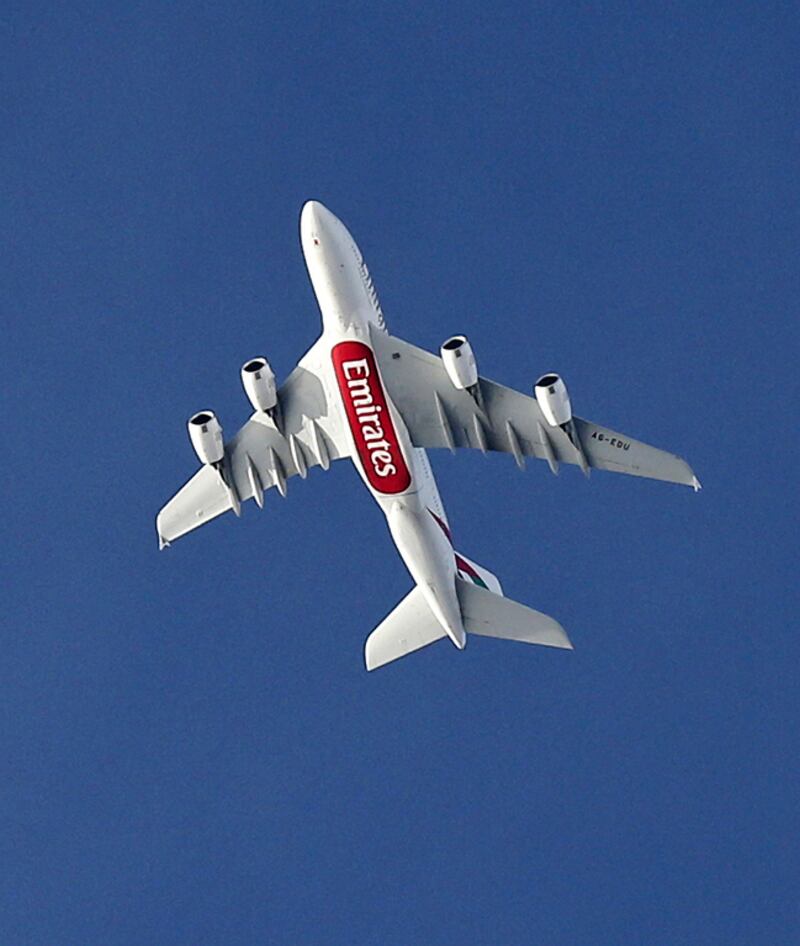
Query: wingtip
<point>162,542</point>
<point>696,484</point>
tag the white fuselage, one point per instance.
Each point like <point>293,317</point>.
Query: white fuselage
<point>397,474</point>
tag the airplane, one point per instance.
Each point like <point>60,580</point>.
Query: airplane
<point>365,395</point>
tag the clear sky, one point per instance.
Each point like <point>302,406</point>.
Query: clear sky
<point>192,752</point>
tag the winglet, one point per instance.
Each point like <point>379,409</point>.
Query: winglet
<point>696,484</point>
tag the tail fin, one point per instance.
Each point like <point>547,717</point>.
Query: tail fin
<point>484,612</point>
<point>477,574</point>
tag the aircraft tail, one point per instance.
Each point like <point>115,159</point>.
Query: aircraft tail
<point>477,574</point>
<point>484,611</point>
<point>492,615</point>
<point>410,626</point>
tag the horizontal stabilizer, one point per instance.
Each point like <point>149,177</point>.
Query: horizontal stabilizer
<point>490,615</point>
<point>410,626</point>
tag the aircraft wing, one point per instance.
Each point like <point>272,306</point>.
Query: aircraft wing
<point>439,415</point>
<point>261,455</point>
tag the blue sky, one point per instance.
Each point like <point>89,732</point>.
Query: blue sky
<point>192,750</point>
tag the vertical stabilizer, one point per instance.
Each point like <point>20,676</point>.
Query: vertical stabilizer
<point>477,574</point>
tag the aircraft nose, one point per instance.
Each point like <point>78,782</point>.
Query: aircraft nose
<point>316,221</point>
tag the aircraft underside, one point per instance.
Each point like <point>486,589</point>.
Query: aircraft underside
<point>363,394</point>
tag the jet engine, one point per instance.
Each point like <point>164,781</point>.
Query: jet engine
<point>459,362</point>
<point>205,433</point>
<point>553,398</point>
<point>258,380</point>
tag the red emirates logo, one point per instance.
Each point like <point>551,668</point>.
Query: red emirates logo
<point>369,417</point>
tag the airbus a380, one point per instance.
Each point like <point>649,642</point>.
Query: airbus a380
<point>364,394</point>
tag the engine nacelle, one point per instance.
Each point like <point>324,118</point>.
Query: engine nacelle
<point>205,433</point>
<point>459,362</point>
<point>259,384</point>
<point>553,398</point>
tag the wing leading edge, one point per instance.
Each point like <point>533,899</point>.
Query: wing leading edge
<point>260,456</point>
<point>439,415</point>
